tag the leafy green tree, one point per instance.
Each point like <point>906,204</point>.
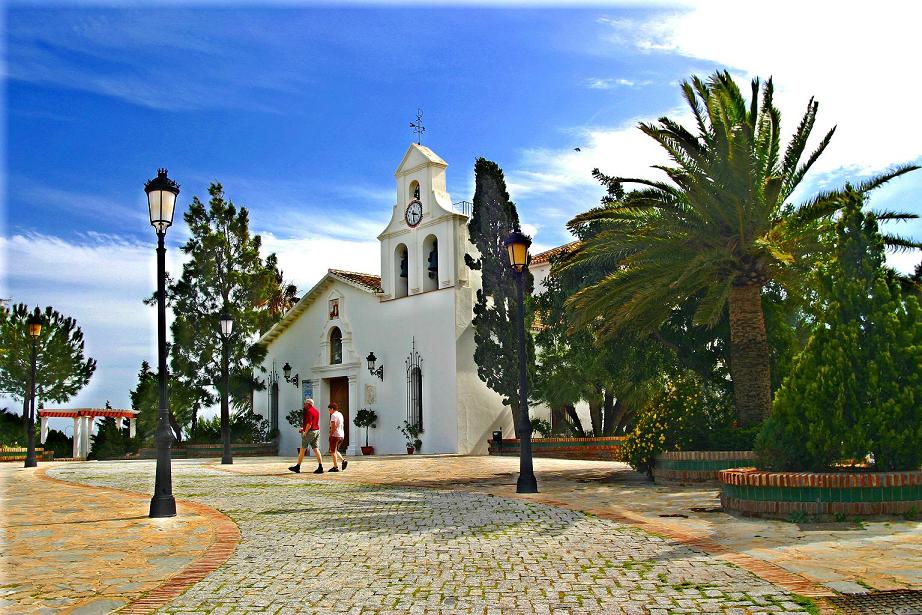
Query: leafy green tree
<point>224,273</point>
<point>62,369</point>
<point>722,228</point>
<point>855,388</point>
<point>493,217</point>
<point>145,398</point>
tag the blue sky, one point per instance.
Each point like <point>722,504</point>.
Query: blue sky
<point>302,113</point>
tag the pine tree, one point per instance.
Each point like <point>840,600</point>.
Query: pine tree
<point>62,369</point>
<point>856,387</point>
<point>224,272</point>
<point>493,217</point>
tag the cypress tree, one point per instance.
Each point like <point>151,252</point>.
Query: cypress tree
<point>493,217</point>
<point>856,389</point>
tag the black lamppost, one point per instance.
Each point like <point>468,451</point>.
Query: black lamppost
<point>517,245</point>
<point>227,325</point>
<point>34,323</point>
<point>161,200</point>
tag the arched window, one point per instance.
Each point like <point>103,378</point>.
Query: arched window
<point>336,346</point>
<point>414,189</point>
<point>401,272</point>
<point>415,388</point>
<point>431,251</point>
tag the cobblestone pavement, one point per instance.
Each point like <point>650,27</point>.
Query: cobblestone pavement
<point>881,554</point>
<point>66,547</point>
<point>336,546</point>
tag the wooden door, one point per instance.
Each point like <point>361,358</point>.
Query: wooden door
<point>339,392</point>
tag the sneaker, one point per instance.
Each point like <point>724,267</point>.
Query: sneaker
<point>333,469</point>
<point>296,469</point>
<point>345,463</point>
<point>319,470</point>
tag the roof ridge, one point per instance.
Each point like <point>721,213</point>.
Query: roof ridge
<point>371,275</point>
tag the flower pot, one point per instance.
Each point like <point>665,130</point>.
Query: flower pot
<point>409,450</point>
<point>368,450</point>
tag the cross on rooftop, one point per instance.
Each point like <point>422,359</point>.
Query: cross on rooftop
<point>418,127</point>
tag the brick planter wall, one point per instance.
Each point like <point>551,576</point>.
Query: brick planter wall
<point>197,451</point>
<point>697,466</point>
<point>752,492</point>
<point>19,454</point>
<point>601,449</point>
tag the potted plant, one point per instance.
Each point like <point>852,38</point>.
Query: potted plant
<point>411,433</point>
<point>366,418</point>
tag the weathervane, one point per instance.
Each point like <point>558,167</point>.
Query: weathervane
<point>418,127</point>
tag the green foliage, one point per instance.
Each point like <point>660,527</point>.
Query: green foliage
<point>411,434</point>
<point>223,273</point>
<point>11,430</point>
<point>145,398</point>
<point>686,414</point>
<point>62,370</point>
<point>295,417</point>
<point>365,418</point>
<point>111,439</point>
<point>246,427</point>
<point>716,233</point>
<point>493,216</point>
<point>854,391</point>
<point>541,427</point>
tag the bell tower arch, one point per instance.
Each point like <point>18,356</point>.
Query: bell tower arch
<point>422,248</point>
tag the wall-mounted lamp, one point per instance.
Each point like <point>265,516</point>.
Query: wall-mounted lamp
<point>286,370</point>
<point>371,358</point>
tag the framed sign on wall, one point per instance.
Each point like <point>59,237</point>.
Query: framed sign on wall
<point>307,391</point>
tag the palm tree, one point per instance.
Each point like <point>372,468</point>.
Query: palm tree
<point>720,230</point>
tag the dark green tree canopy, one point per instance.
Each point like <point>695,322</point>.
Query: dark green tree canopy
<point>493,217</point>
<point>62,369</point>
<point>718,230</point>
<point>855,388</point>
<point>224,272</point>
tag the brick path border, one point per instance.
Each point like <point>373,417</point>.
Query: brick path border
<point>226,537</point>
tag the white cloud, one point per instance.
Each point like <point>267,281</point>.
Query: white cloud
<point>610,84</point>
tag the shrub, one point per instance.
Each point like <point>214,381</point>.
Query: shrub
<point>687,414</point>
<point>246,427</point>
<point>853,393</point>
<point>541,427</point>
<point>111,440</point>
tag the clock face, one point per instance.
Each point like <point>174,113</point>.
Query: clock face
<point>414,213</point>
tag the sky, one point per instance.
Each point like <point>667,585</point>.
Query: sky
<point>302,111</point>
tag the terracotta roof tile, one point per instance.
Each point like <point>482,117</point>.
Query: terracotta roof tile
<point>545,257</point>
<point>366,280</point>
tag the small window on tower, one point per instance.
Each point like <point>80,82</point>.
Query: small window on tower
<point>414,189</point>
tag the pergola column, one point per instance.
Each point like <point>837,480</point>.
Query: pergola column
<point>85,436</point>
<point>77,423</point>
<point>131,427</point>
<point>44,429</point>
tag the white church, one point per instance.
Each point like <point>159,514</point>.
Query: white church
<point>414,319</point>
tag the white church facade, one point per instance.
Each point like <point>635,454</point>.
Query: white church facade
<point>415,318</point>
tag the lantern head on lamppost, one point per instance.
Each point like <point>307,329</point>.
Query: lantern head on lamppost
<point>517,244</point>
<point>34,322</point>
<point>227,324</point>
<point>286,371</point>
<point>161,200</point>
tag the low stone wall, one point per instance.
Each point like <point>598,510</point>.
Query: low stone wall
<point>19,454</point>
<point>198,451</point>
<point>749,491</point>
<point>697,466</point>
<point>601,449</point>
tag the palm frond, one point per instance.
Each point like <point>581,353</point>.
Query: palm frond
<point>898,243</point>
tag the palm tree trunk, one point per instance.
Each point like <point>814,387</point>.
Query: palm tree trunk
<point>749,355</point>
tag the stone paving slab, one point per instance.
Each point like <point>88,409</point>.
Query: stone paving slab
<point>70,548</point>
<point>336,544</point>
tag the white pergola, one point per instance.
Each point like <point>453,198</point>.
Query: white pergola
<point>83,423</point>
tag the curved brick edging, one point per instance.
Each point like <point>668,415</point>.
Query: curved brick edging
<point>750,491</point>
<point>224,543</point>
<point>697,466</point>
